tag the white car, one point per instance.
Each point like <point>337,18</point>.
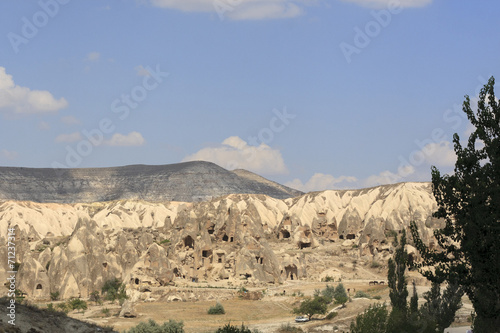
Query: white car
<point>301,319</point>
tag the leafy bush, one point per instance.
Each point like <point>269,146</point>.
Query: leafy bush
<point>77,304</point>
<point>340,295</point>
<point>328,278</point>
<point>328,293</point>
<point>331,315</point>
<point>287,328</point>
<point>361,294</point>
<point>105,312</point>
<point>50,307</point>
<point>228,328</point>
<point>95,297</point>
<point>377,297</point>
<point>375,264</point>
<point>54,296</point>
<point>63,307</point>
<point>151,326</point>
<point>113,290</point>
<point>216,309</point>
<point>373,320</point>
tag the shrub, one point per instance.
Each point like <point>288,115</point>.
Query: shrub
<point>216,309</point>
<point>328,293</point>
<point>77,304</point>
<point>54,296</point>
<point>375,264</point>
<point>331,315</point>
<point>50,307</point>
<point>377,297</point>
<point>151,326</point>
<point>328,278</point>
<point>95,297</point>
<point>373,320</point>
<point>105,312</point>
<point>114,289</point>
<point>340,295</point>
<point>287,328</point>
<point>63,307</point>
<point>361,294</point>
<point>228,328</point>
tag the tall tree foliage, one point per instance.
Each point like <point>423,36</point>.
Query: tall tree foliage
<point>441,309</point>
<point>434,316</point>
<point>469,202</point>
<point>396,277</point>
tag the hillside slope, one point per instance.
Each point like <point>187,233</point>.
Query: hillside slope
<point>189,182</point>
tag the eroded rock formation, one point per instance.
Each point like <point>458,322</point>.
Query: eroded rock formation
<point>74,248</point>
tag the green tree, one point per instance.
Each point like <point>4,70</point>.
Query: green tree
<point>469,202</point>
<point>396,277</point>
<point>312,306</point>
<point>340,295</point>
<point>414,300</point>
<point>328,293</point>
<point>439,310</point>
<point>398,291</point>
<point>373,320</point>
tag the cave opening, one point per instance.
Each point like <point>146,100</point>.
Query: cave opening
<point>291,272</point>
<point>285,234</point>
<point>189,242</point>
<point>304,245</point>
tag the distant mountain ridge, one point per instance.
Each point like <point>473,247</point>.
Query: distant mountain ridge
<point>189,182</point>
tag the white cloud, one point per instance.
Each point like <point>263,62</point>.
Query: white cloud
<point>390,3</point>
<point>17,99</point>
<point>235,153</point>
<point>238,9</point>
<point>44,126</point>
<point>72,137</point>
<point>128,140</point>
<point>70,120</point>
<point>385,177</point>
<point>440,154</point>
<point>141,71</point>
<point>320,182</point>
<point>8,155</point>
<point>93,56</point>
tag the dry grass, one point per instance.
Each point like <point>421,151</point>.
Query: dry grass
<point>195,317</point>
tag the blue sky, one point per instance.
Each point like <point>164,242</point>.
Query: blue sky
<point>318,94</point>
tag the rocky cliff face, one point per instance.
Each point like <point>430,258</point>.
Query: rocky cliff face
<point>190,181</point>
<point>239,238</point>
